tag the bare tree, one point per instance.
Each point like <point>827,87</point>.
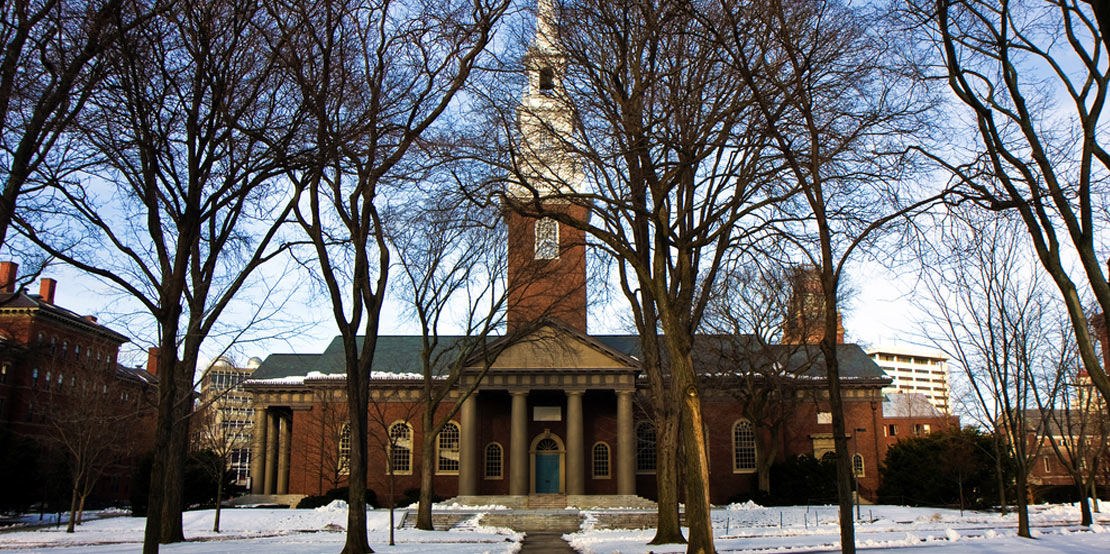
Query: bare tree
<point>631,115</point>
<point>746,321</point>
<point>51,62</point>
<point>391,414</point>
<point>217,426</point>
<point>93,425</point>
<point>1031,74</point>
<point>178,207</point>
<point>372,79</point>
<point>840,105</point>
<point>1074,426</point>
<point>989,312</point>
<point>329,415</point>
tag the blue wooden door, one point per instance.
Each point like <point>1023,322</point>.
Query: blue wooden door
<point>547,473</point>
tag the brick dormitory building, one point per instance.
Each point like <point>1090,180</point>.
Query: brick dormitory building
<point>61,384</point>
<point>559,417</point>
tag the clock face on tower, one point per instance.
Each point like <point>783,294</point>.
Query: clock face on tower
<point>547,239</point>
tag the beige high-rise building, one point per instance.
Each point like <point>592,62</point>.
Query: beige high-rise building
<point>915,370</point>
<point>226,425</point>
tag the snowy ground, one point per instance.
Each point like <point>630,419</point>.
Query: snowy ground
<point>740,528</point>
<point>750,528</point>
<point>263,530</point>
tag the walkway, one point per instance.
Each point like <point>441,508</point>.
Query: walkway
<point>545,543</point>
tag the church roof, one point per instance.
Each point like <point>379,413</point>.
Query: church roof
<point>400,355</point>
<point>396,354</point>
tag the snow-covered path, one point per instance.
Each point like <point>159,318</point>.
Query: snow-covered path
<point>263,530</point>
<point>796,529</point>
<point>740,528</point>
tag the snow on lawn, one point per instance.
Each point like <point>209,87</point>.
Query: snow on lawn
<point>752,528</point>
<point>265,530</point>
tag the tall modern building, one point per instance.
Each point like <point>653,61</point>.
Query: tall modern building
<point>916,370</point>
<point>227,422</point>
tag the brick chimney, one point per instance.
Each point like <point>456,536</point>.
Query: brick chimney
<point>7,276</point>
<point>152,360</point>
<point>90,318</point>
<point>46,289</point>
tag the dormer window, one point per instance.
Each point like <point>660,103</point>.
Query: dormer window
<point>547,80</point>
<point>547,239</point>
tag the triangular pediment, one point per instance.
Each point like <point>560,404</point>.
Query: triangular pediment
<point>555,346</point>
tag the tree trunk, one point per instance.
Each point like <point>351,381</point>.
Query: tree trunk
<point>167,359</point>
<point>669,528</point>
<point>81,505</point>
<point>696,467</point>
<point>174,480</point>
<point>358,399</point>
<point>1022,504</point>
<point>1084,504</point>
<point>427,468</point>
<point>72,508</point>
<point>392,482</point>
<point>1000,473</point>
<point>766,459</point>
<point>219,499</point>
<point>843,456</point>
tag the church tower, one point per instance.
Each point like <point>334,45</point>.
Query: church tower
<point>546,257</point>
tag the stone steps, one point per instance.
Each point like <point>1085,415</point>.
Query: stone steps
<point>628,520</point>
<point>535,521</point>
<point>547,502</point>
<point>442,521</point>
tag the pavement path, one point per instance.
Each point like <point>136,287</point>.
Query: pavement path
<point>545,543</point>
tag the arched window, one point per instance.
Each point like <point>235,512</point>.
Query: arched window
<point>345,449</point>
<point>857,465</point>
<point>547,239</point>
<point>645,448</point>
<point>4,373</point>
<point>743,447</point>
<point>400,448</point>
<point>601,461</point>
<point>493,461</point>
<point>447,449</point>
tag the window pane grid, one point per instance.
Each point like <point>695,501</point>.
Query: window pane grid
<point>448,458</point>
<point>743,446</point>
<point>400,452</point>
<point>493,461</point>
<point>645,447</point>
<point>601,460</point>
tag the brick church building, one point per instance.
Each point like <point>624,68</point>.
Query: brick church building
<point>558,418</point>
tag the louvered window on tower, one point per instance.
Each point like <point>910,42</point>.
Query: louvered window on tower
<point>547,80</point>
<point>547,239</point>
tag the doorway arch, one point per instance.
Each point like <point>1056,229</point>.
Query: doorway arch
<point>548,457</point>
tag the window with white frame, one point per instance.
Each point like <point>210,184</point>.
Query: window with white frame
<point>857,465</point>
<point>400,448</point>
<point>494,458</point>
<point>601,461</point>
<point>447,449</point>
<point>743,446</point>
<point>645,448</point>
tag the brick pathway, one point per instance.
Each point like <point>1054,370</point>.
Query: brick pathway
<point>545,543</point>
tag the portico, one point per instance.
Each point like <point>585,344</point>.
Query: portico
<point>569,402</point>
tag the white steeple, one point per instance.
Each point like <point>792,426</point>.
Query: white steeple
<point>545,116</point>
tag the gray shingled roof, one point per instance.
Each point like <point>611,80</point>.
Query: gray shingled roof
<point>393,354</point>
<point>23,301</point>
<point>401,354</point>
